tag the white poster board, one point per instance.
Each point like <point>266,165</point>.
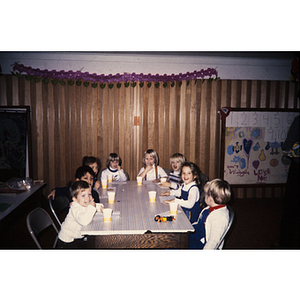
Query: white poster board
<point>252,146</point>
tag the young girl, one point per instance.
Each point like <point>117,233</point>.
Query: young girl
<point>189,192</point>
<point>114,168</point>
<point>176,161</point>
<point>151,170</point>
<point>94,163</point>
<point>81,213</point>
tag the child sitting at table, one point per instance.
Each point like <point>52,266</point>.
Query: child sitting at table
<point>114,168</point>
<point>151,170</point>
<point>174,181</point>
<point>188,194</point>
<point>213,219</point>
<point>81,213</point>
<point>84,173</point>
<point>95,164</point>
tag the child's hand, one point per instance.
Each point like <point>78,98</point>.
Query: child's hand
<point>92,202</point>
<point>148,168</point>
<point>156,180</point>
<point>168,201</point>
<point>52,193</point>
<point>119,168</point>
<point>97,185</point>
<point>165,193</point>
<point>165,184</point>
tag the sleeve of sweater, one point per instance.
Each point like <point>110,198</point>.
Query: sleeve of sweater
<point>83,215</point>
<point>63,192</point>
<point>122,175</point>
<point>192,199</point>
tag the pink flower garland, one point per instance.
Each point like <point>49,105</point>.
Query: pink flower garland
<point>86,76</point>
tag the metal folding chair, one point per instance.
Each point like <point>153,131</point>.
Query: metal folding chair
<point>231,217</point>
<point>37,222</point>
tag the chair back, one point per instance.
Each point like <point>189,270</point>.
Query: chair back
<point>37,221</point>
<point>231,217</point>
<point>203,180</point>
<point>59,207</point>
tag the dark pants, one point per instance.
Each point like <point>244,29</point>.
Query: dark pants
<point>290,222</point>
<point>76,244</point>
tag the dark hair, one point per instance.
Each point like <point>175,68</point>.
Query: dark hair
<point>113,157</point>
<point>77,187</point>
<point>195,171</point>
<point>81,171</point>
<point>88,160</point>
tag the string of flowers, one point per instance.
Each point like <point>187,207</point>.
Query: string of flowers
<point>133,77</point>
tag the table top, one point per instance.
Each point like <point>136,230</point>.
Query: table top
<point>10,201</point>
<point>133,213</point>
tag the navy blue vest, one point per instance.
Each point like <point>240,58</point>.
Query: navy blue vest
<point>191,213</point>
<point>197,240</point>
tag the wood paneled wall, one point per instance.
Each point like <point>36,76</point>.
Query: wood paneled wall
<point>69,122</point>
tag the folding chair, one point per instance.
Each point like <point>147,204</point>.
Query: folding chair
<point>38,221</point>
<point>59,207</point>
<point>231,217</point>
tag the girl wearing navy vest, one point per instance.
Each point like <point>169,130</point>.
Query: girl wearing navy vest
<point>214,218</point>
<point>188,195</point>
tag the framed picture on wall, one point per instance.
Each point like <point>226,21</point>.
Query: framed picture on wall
<point>15,142</point>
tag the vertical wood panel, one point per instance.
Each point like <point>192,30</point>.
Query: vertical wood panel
<point>71,121</point>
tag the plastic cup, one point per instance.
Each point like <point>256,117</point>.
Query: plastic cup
<point>173,208</point>
<point>107,214</point>
<point>163,179</point>
<point>111,197</point>
<point>139,180</point>
<point>109,178</point>
<point>104,183</point>
<point>98,207</point>
<point>152,196</point>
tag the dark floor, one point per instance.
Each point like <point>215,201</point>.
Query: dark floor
<point>256,226</point>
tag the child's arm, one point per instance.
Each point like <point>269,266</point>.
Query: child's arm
<point>97,185</point>
<point>122,174</point>
<point>146,170</point>
<point>194,196</point>
<point>84,215</point>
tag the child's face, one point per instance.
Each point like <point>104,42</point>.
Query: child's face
<point>84,197</point>
<point>149,160</point>
<point>94,167</point>
<point>114,164</point>
<point>88,178</point>
<point>187,175</point>
<point>176,164</point>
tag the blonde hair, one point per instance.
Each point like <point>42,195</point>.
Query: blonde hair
<point>219,190</point>
<point>181,157</point>
<point>152,154</point>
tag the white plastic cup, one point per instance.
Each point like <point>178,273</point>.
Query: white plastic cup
<point>139,180</point>
<point>104,183</point>
<point>173,208</point>
<point>111,197</point>
<point>163,179</point>
<point>98,207</point>
<point>152,196</point>
<point>109,178</point>
<point>107,214</point>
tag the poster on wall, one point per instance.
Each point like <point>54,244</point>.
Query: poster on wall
<point>252,141</point>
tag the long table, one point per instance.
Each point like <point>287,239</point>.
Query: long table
<point>133,225</point>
